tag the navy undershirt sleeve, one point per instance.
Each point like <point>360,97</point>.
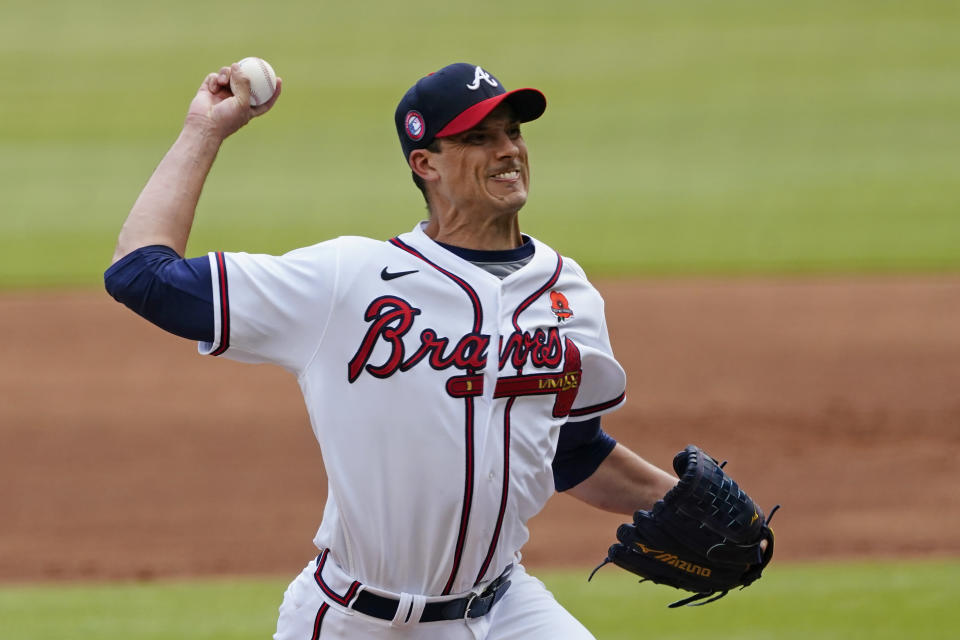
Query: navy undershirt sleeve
<point>582,447</point>
<point>171,292</point>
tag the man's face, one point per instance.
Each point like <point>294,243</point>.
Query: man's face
<point>485,167</point>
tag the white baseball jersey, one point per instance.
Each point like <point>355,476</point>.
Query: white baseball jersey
<point>435,389</point>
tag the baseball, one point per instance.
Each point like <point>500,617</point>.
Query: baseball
<point>263,81</point>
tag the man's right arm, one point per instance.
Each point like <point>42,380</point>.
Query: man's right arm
<point>148,273</point>
<point>163,214</point>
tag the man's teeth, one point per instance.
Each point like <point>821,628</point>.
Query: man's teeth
<point>508,175</point>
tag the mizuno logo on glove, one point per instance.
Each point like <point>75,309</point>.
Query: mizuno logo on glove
<point>674,561</point>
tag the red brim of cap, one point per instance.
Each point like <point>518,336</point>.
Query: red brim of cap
<point>529,104</point>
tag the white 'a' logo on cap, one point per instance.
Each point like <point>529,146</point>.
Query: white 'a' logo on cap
<point>478,75</point>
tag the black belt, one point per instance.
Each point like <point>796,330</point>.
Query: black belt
<point>472,606</point>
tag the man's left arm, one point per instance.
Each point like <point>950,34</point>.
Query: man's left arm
<point>595,468</point>
<point>623,483</point>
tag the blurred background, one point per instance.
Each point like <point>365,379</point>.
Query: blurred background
<point>680,137</point>
<point>766,193</point>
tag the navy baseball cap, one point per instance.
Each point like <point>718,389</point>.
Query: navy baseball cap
<point>455,99</point>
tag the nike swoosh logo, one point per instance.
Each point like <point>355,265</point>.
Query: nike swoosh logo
<point>386,275</point>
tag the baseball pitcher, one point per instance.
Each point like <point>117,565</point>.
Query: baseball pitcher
<point>455,375</point>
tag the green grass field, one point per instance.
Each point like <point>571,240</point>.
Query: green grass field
<point>687,137</point>
<point>802,602</point>
<point>683,137</point>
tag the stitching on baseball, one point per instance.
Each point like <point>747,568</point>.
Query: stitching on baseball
<point>266,75</point>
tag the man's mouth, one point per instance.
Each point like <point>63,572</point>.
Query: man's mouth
<point>507,175</point>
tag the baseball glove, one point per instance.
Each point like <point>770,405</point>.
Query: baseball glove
<point>704,536</point>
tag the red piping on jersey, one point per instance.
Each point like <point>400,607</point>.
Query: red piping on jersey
<point>506,424</point>
<point>224,305</point>
<point>318,622</point>
<point>526,303</point>
<point>575,413</point>
<point>503,494</point>
<point>467,496</point>
<point>474,298</point>
<point>468,422</point>
<point>333,595</point>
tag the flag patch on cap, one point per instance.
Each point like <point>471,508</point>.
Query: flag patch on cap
<point>414,125</point>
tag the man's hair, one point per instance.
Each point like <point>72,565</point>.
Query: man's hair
<point>417,180</point>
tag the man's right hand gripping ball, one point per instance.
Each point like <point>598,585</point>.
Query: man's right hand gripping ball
<point>219,111</point>
<point>705,536</point>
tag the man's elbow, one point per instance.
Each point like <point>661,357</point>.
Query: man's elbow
<point>121,284</point>
<point>131,276</point>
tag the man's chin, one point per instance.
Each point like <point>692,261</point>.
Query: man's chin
<point>511,200</point>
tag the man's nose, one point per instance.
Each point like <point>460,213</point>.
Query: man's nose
<point>506,146</point>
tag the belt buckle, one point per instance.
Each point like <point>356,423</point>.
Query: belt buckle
<point>466,612</point>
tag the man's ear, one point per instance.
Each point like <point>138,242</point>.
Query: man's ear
<point>421,163</point>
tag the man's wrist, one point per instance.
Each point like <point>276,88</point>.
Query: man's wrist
<point>201,131</point>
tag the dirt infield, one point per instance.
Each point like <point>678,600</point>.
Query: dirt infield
<point>124,454</point>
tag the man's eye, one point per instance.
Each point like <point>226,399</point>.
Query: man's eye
<point>476,138</point>
<point>514,132</point>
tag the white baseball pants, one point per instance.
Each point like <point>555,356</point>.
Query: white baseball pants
<point>527,611</point>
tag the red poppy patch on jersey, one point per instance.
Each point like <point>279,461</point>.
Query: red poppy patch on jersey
<point>414,125</point>
<point>560,306</point>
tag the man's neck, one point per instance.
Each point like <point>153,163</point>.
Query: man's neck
<point>490,233</point>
